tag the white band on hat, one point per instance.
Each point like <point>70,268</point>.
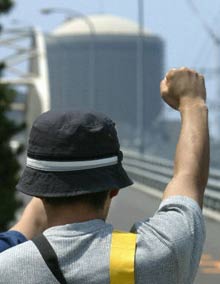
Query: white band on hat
<point>57,166</point>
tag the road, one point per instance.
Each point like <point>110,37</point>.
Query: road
<point>133,205</point>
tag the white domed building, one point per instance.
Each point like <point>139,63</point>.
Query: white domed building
<point>92,63</point>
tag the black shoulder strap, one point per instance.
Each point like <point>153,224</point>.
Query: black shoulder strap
<point>49,256</point>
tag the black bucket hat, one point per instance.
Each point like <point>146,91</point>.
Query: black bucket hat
<point>72,153</point>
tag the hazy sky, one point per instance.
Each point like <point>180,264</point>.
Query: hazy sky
<point>186,41</point>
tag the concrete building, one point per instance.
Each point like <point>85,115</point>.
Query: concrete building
<point>92,63</point>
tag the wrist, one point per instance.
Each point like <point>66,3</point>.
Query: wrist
<point>192,104</point>
<point>195,114</point>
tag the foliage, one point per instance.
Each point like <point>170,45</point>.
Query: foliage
<point>5,6</point>
<point>9,165</point>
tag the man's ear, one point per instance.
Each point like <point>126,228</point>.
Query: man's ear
<point>114,192</point>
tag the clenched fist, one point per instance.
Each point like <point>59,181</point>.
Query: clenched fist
<point>183,88</point>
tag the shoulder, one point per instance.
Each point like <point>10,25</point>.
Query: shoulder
<point>19,252</point>
<point>172,240</point>
<point>178,216</point>
<point>13,261</point>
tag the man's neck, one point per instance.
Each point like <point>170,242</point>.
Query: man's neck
<point>66,214</point>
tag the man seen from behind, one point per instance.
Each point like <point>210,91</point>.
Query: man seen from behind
<point>74,166</point>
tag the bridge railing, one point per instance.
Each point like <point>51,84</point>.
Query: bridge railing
<point>157,172</point>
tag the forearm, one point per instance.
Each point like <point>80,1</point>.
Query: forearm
<point>27,228</point>
<point>191,164</point>
<point>193,147</point>
<point>33,220</point>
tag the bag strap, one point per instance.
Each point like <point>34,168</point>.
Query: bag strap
<point>122,258</point>
<point>49,256</point>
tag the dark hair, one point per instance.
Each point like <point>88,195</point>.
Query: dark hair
<point>96,200</point>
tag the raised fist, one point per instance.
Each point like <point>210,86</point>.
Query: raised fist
<point>183,88</point>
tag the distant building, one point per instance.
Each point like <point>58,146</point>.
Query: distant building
<point>92,63</point>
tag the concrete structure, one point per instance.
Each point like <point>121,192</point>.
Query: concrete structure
<point>92,62</point>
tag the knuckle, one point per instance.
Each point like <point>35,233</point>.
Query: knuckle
<point>171,73</point>
<point>201,77</point>
<point>189,71</point>
<point>184,68</point>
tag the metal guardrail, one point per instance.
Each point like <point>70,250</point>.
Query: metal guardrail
<point>157,172</point>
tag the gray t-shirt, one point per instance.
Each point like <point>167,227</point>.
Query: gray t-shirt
<point>169,247</point>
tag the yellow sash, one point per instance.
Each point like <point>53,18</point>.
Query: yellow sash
<point>122,258</point>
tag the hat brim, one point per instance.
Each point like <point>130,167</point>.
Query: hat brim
<point>62,184</point>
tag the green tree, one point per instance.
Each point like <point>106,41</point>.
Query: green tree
<point>9,165</point>
<point>5,6</point>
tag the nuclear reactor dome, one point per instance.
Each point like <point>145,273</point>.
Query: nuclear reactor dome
<point>93,62</point>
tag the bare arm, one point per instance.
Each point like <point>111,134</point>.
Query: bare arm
<point>33,220</point>
<point>184,90</point>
